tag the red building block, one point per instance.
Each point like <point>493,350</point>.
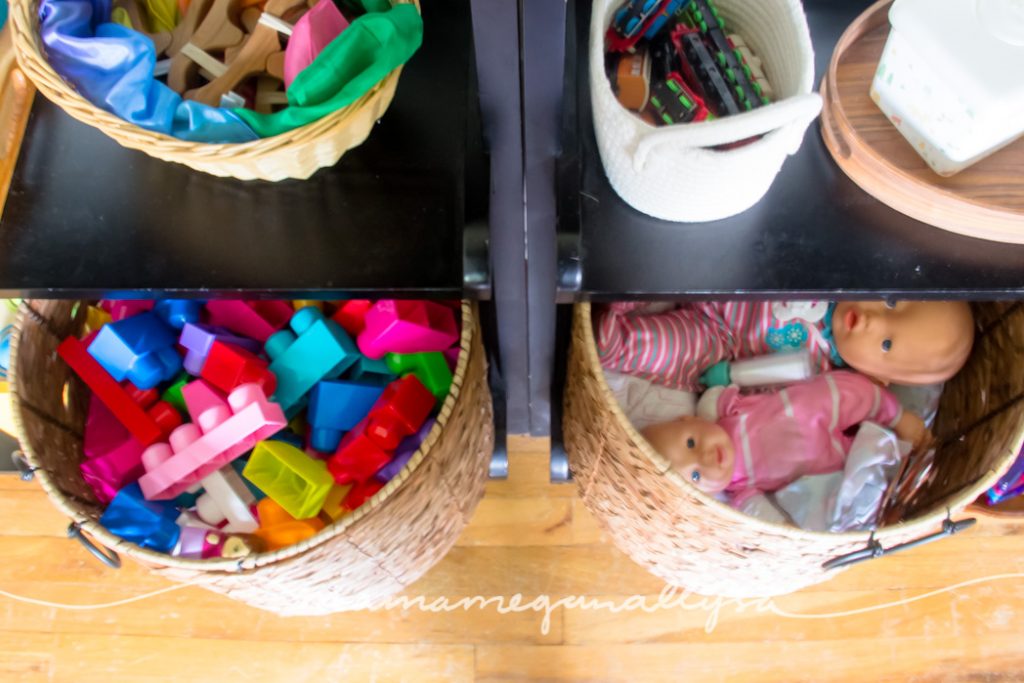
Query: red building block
<point>228,366</point>
<point>357,460</point>
<point>361,493</point>
<point>400,411</point>
<point>351,315</point>
<point>141,412</point>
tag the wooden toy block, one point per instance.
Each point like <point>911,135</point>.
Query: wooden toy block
<point>430,368</point>
<point>127,403</point>
<point>251,60</point>
<point>226,499</point>
<point>313,350</point>
<point>279,530</point>
<point>220,432</point>
<point>143,522</point>
<point>336,407</point>
<point>215,32</point>
<point>254,319</point>
<point>139,349</point>
<point>407,327</point>
<point>198,339</point>
<point>228,366</point>
<point>297,482</point>
<point>401,411</point>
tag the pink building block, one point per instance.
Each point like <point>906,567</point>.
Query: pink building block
<point>103,431</point>
<point>220,431</point>
<point>254,319</point>
<point>407,327</point>
<point>119,309</point>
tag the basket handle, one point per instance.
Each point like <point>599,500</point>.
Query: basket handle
<point>874,548</point>
<point>109,558</point>
<point>793,112</point>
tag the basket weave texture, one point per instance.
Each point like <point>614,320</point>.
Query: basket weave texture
<point>693,541</point>
<point>295,154</point>
<point>356,563</point>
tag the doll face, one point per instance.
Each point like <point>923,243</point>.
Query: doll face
<point>698,449</point>
<point>908,342</point>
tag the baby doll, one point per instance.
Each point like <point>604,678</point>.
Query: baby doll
<point>907,342</point>
<point>746,444</point>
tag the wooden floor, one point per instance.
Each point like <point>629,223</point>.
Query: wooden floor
<point>527,537</point>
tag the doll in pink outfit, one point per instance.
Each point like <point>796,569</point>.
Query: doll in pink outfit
<point>746,444</point>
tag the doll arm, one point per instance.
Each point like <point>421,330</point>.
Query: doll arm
<point>855,398</point>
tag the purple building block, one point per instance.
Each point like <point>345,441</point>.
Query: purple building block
<point>197,340</point>
<point>404,453</point>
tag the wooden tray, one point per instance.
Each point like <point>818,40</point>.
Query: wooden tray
<point>984,201</point>
<point>15,103</point>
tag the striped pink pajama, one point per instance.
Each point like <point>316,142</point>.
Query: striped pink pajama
<point>674,347</point>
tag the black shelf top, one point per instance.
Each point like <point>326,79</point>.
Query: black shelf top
<point>814,233</point>
<point>404,214</point>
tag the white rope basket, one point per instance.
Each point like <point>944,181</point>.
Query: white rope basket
<point>671,172</point>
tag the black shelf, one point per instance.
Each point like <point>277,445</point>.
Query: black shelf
<point>815,232</point>
<point>404,214</point>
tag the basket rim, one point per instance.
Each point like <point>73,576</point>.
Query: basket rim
<point>924,522</point>
<point>255,560</point>
<point>31,58</point>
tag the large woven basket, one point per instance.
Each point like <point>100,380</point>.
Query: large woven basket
<point>691,540</point>
<point>356,563</point>
<point>295,154</point>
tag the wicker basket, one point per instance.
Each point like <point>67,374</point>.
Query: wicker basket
<point>356,563</point>
<point>691,540</point>
<point>295,154</point>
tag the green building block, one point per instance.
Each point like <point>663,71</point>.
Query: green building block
<point>430,368</point>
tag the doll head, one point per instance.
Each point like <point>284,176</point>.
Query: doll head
<point>699,450</point>
<point>907,342</point>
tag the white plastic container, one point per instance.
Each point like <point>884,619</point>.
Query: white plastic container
<point>951,78</point>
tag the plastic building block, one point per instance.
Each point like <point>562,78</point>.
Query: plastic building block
<point>228,366</point>
<point>254,319</point>
<point>227,501</point>
<point>337,406</point>
<point>279,530</point>
<point>111,471</point>
<point>172,394</point>
<point>371,371</point>
<point>674,102</point>
<point>404,452</point>
<point>198,339</point>
<point>315,349</point>
<point>351,315</point>
<point>429,367</point>
<point>102,430</point>
<point>357,459</point>
<point>95,318</point>
<point>407,327</point>
<point>361,493</point>
<point>119,309</point>
<point>334,507</point>
<point>239,466</point>
<point>178,312</point>
<point>452,356</point>
<point>127,404</point>
<point>139,349</point>
<point>140,521</point>
<point>296,481</point>
<point>302,303</point>
<point>401,411</point>
<point>220,431</point>
<point>202,543</point>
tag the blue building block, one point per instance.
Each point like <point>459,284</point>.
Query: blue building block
<point>313,350</point>
<point>178,312</point>
<point>140,349</point>
<point>147,523</point>
<point>336,407</point>
<point>371,371</point>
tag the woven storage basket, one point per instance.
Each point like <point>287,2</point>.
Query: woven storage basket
<point>295,154</point>
<point>356,563</point>
<point>691,540</point>
<point>670,172</point>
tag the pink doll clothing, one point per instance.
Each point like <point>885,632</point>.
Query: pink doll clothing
<point>674,347</point>
<point>800,430</point>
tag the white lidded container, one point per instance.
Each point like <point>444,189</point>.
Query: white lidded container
<point>951,78</point>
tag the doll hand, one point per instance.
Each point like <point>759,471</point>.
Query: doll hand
<point>912,429</point>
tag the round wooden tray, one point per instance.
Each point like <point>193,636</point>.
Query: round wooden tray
<point>984,201</point>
